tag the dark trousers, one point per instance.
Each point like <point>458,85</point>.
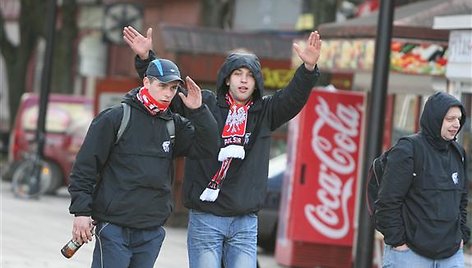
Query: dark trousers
<point>122,247</point>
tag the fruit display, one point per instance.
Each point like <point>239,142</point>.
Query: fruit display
<point>424,58</point>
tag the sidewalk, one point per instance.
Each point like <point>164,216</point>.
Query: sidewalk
<point>33,232</point>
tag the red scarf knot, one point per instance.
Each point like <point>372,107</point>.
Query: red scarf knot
<point>152,105</point>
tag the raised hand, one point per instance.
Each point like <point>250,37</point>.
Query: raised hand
<point>137,42</point>
<point>193,100</point>
<point>311,52</point>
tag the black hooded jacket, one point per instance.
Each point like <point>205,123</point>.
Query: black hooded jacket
<point>243,189</point>
<point>427,212</point>
<point>136,173</point>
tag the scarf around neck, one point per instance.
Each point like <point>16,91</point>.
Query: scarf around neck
<point>234,138</point>
<point>152,105</point>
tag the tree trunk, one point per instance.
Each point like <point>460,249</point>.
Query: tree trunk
<point>15,72</point>
<point>64,53</point>
<point>217,13</point>
<point>324,11</point>
<point>19,57</point>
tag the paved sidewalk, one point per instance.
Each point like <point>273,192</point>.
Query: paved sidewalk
<point>32,232</point>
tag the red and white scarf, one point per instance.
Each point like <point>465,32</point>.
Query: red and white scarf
<point>151,104</point>
<point>233,135</point>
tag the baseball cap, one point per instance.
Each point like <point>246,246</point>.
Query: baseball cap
<point>164,70</point>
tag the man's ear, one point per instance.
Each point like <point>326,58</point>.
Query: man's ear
<point>146,82</point>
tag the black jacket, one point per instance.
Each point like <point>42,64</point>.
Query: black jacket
<point>243,189</point>
<point>135,174</point>
<point>428,213</point>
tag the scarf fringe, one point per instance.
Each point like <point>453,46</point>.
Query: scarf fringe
<point>231,151</point>
<point>209,195</point>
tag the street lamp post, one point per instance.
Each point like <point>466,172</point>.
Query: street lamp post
<point>43,99</point>
<point>376,116</point>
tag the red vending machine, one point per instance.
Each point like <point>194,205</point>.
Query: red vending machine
<point>317,214</point>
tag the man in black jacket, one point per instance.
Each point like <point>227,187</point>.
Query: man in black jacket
<point>423,216</point>
<point>225,193</point>
<point>125,185</point>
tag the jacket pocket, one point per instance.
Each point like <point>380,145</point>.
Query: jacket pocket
<point>440,195</point>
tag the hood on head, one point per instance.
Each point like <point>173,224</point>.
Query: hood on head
<point>436,107</point>
<point>235,61</point>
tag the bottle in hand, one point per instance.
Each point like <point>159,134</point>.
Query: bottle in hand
<point>69,249</point>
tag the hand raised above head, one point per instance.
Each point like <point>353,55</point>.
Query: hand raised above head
<point>193,100</point>
<point>311,52</point>
<point>137,42</point>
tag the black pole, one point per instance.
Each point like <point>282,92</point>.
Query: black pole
<point>46,75</point>
<point>374,128</point>
<point>44,93</point>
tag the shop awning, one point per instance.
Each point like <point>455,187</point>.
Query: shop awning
<point>199,40</point>
<point>412,21</point>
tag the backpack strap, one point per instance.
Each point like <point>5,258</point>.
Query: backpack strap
<point>418,154</point>
<point>124,121</point>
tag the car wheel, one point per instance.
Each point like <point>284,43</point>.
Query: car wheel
<point>23,179</point>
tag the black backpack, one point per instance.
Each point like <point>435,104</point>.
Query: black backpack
<point>125,119</point>
<point>377,168</point>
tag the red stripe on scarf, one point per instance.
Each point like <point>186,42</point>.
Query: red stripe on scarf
<point>152,105</point>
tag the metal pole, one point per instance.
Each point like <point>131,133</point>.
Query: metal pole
<point>374,129</point>
<point>44,93</point>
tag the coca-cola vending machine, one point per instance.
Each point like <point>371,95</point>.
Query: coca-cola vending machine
<point>319,193</point>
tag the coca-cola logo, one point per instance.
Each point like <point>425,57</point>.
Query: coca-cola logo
<point>329,214</point>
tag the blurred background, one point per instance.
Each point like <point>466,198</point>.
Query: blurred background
<point>92,68</point>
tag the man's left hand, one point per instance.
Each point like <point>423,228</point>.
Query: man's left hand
<point>193,100</point>
<point>311,52</point>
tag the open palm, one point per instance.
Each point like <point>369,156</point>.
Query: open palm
<point>311,52</point>
<point>193,100</point>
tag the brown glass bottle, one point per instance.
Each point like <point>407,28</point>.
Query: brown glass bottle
<point>69,249</point>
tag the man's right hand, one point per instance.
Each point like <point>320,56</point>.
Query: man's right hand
<point>137,42</point>
<point>82,229</point>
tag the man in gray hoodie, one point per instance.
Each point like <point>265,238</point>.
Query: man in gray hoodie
<point>423,214</point>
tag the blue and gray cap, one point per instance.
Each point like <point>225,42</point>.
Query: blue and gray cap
<point>164,70</point>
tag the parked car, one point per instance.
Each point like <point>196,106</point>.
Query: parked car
<point>67,120</point>
<point>269,214</point>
